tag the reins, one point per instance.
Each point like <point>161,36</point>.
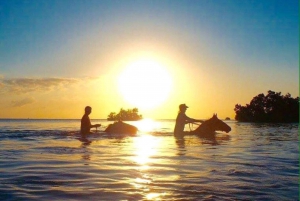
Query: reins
<point>192,123</point>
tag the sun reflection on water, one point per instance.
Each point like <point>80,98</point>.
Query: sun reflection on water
<point>154,196</point>
<point>147,125</point>
<point>145,148</point>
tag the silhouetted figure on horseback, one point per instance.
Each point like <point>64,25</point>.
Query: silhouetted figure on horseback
<point>181,120</point>
<point>86,125</point>
<point>206,129</point>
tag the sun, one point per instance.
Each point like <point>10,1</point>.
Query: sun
<point>145,83</point>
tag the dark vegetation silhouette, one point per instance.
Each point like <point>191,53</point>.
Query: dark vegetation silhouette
<point>125,115</point>
<point>272,108</point>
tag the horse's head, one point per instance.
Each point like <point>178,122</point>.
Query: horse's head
<point>218,124</point>
<point>208,127</point>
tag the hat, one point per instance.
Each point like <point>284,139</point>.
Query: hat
<point>183,106</point>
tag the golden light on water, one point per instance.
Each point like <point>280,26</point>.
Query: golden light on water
<point>145,147</point>
<point>147,125</point>
<point>140,183</point>
<point>145,83</point>
<point>153,196</point>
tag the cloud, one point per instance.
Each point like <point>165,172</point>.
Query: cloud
<point>26,85</point>
<point>22,102</point>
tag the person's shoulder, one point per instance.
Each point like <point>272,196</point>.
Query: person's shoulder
<point>85,117</point>
<point>181,115</point>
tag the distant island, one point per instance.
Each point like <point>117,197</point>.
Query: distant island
<point>273,108</point>
<point>125,115</point>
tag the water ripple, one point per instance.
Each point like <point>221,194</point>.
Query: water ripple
<point>253,162</point>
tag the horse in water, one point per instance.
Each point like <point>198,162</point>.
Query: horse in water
<point>120,127</point>
<point>208,127</point>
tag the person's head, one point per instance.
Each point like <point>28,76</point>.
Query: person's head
<point>182,107</point>
<point>87,110</point>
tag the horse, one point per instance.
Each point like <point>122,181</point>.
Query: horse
<point>209,127</point>
<point>120,127</point>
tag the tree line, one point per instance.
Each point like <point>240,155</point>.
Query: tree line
<point>125,115</point>
<point>273,107</point>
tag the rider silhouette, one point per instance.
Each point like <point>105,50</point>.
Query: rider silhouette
<point>181,120</point>
<point>86,122</point>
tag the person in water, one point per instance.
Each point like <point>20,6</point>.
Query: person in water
<point>181,120</point>
<point>86,122</point>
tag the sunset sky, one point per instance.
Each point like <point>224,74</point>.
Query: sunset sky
<point>56,57</point>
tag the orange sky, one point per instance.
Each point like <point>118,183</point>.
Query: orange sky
<point>210,56</point>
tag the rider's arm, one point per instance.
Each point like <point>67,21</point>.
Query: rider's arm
<point>191,120</point>
<point>90,124</point>
<point>95,125</point>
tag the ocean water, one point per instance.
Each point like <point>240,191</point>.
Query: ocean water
<point>50,160</point>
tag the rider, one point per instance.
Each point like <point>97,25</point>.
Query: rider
<point>86,122</point>
<point>181,120</point>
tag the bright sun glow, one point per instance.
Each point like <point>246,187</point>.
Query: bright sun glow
<point>145,83</point>
<point>146,125</point>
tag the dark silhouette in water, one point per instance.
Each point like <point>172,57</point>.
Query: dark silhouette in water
<point>86,122</point>
<point>209,127</point>
<point>120,127</point>
<point>272,108</point>
<point>181,120</point>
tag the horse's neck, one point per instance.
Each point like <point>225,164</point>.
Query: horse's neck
<point>205,127</point>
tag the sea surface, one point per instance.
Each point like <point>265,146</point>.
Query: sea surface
<point>50,160</point>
